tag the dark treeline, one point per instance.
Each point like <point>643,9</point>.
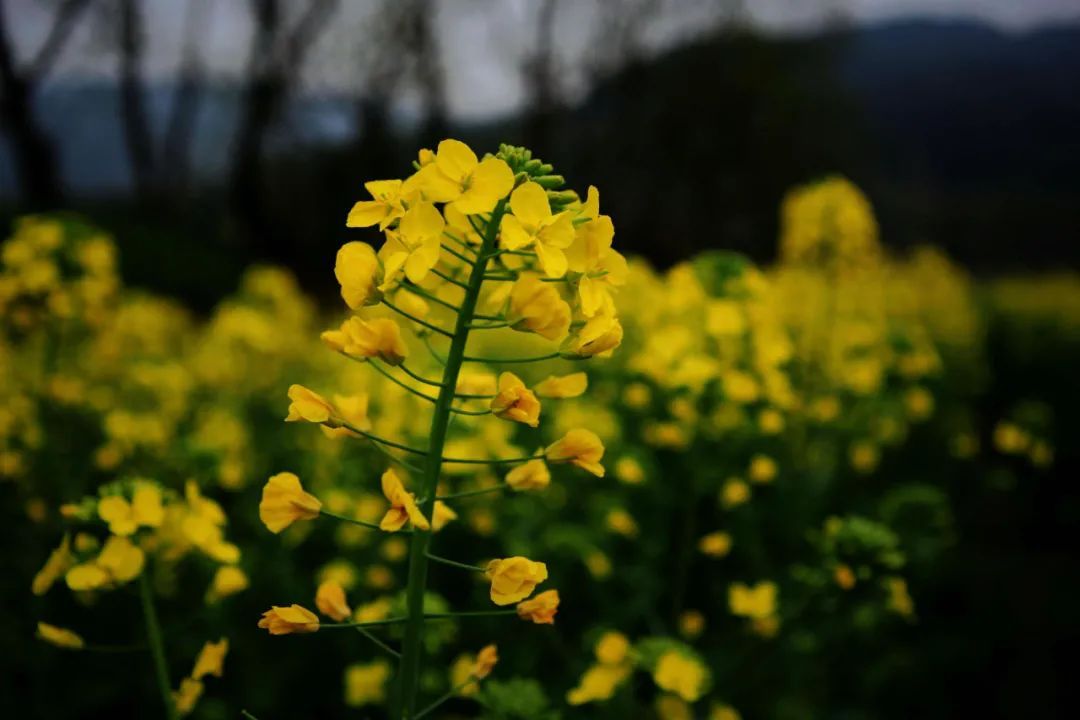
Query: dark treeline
<point>960,136</point>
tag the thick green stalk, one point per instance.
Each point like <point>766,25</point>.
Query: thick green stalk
<point>412,647</point>
<point>157,645</point>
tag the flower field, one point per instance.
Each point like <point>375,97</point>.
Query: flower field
<point>511,474</point>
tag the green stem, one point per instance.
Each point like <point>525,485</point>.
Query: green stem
<point>361,523</point>
<point>455,563</point>
<point>412,647</point>
<point>471,493</point>
<point>370,623</point>
<point>446,696</point>
<point>157,645</point>
<point>418,321</point>
<point>496,361</point>
<point>377,642</point>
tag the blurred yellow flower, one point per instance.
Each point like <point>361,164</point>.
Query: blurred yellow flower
<point>330,601</point>
<point>533,475</point>
<point>365,683</point>
<point>752,601</point>
<point>680,674</point>
<point>442,515</point>
<point>228,580</point>
<point>211,659</point>
<point>563,387</point>
<point>734,492</point>
<point>762,469</point>
<point>844,576</point>
<point>486,660</point>
<point>187,696</point>
<point>715,544</point>
<point>309,406</point>
<point>60,637</point>
<point>59,562</point>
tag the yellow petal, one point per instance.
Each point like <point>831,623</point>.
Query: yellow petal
<point>530,204</point>
<point>455,159</point>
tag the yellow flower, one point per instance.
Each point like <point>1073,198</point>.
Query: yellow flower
<point>352,409</point>
<point>601,334</point>
<point>365,683</point>
<point>762,469</point>
<point>591,255</point>
<point>456,176</point>
<point>378,337</point>
<point>533,475</point>
<point>757,601</point>
<point>541,609</point>
<point>566,386</point>
<point>330,601</point>
<point>844,576</point>
<point>60,637</point>
<point>402,505</point>
<point>86,576</point>
<point>734,493</point>
<point>188,695</point>
<point>629,471</point>
<point>287,620</point>
<point>515,402</point>
<point>59,562</point>
<point>691,624</point>
<point>211,659</point>
<point>612,648</point>
<point>532,224</point>
<point>622,522</point>
<point>123,517</point>
<point>442,515</point>
<point>669,707</point>
<point>864,456</point>
<point>228,580</point>
<point>715,544</point>
<point>284,502</point>
<point>121,559</point>
<point>309,406</point>
<point>598,683</point>
<point>900,601</point>
<point>536,306</point>
<point>514,579</point>
<point>386,206</point>
<point>682,675</point>
<point>485,661</point>
<point>724,712</point>
<point>580,447</point>
<point>358,272</point>
<point>414,247</point>
<point>375,610</point>
<point>461,675</point>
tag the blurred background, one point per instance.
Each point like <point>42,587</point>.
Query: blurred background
<point>208,135</point>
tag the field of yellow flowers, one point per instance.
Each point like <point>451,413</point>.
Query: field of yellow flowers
<point>512,475</point>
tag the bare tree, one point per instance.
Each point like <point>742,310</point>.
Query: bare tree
<point>274,64</point>
<point>180,126</point>
<point>540,77</point>
<point>137,135</point>
<point>34,154</point>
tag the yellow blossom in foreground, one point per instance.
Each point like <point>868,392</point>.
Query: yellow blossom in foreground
<point>60,637</point>
<point>532,224</point>
<point>457,176</point>
<point>486,660</point>
<point>376,338</point>
<point>415,246</point>
<point>533,475</point>
<point>680,674</point>
<point>187,696</point>
<point>757,601</point>
<point>87,576</point>
<point>288,620</point>
<point>715,544</point>
<point>540,609</point>
<point>598,683</point>
<point>284,502</point>
<point>384,208</point>
<point>599,336</point>
<point>309,406</point>
<point>461,675</point>
<point>211,659</point>
<point>59,562</point>
<point>359,274</point>
<point>515,402</point>
<point>402,505</point>
<point>330,601</point>
<point>535,306</point>
<point>121,559</point>
<point>365,683</point>
<point>562,387</point>
<point>580,447</point>
<point>514,579</point>
<point>442,515</point>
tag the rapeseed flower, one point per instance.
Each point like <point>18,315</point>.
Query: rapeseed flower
<point>540,609</point>
<point>456,176</point>
<point>60,637</point>
<point>288,620</point>
<point>359,273</point>
<point>515,402</point>
<point>580,447</point>
<point>330,601</point>
<point>533,475</point>
<point>403,506</point>
<point>284,501</point>
<point>514,579</point>
<point>533,225</point>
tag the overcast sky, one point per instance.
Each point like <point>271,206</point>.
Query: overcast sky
<point>482,42</point>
